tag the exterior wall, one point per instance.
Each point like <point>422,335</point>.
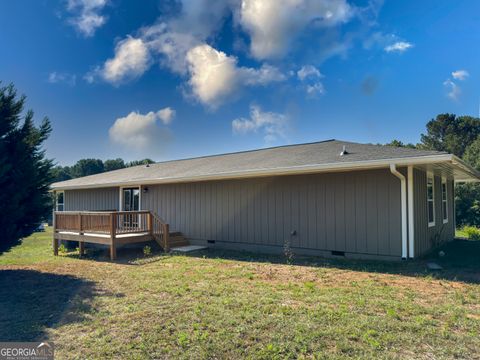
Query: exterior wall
<point>354,212</point>
<point>424,235</point>
<point>92,199</point>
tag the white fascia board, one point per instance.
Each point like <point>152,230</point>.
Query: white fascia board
<point>291,170</point>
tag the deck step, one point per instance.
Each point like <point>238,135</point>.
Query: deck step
<point>175,233</point>
<point>178,240</point>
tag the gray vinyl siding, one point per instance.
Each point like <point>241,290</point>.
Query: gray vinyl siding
<point>92,199</point>
<point>425,235</point>
<point>354,212</point>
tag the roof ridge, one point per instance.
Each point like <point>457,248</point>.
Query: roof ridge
<point>245,151</point>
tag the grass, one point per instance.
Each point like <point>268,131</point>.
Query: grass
<point>238,305</point>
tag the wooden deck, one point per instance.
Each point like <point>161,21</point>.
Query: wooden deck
<point>111,228</point>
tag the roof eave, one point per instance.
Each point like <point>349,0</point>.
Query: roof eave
<point>292,170</point>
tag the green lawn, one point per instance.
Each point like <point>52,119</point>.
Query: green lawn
<point>238,305</point>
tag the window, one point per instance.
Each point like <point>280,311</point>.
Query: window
<point>444,201</point>
<point>431,200</point>
<point>60,200</point>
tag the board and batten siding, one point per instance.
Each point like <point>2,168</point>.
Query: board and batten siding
<point>354,212</point>
<point>425,236</point>
<point>102,199</point>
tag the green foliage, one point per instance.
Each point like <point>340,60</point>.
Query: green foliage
<point>472,154</point>
<point>147,250</point>
<point>140,162</point>
<point>398,143</point>
<point>451,133</point>
<point>85,167</point>
<point>113,164</point>
<point>25,173</point>
<point>471,232</point>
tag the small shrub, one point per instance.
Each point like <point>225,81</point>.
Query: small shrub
<point>287,251</point>
<point>62,249</point>
<point>147,250</point>
<point>472,232</point>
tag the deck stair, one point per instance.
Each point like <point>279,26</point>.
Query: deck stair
<point>177,239</point>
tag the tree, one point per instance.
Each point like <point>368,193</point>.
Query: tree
<point>61,173</point>
<point>140,162</point>
<point>398,143</point>
<point>87,167</point>
<point>472,154</point>
<point>25,173</point>
<point>450,133</point>
<point>113,164</point>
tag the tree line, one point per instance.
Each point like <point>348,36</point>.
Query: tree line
<point>458,135</point>
<point>26,173</point>
<point>85,167</point>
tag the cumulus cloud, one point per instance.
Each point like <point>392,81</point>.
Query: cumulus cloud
<point>453,90</point>
<point>273,25</point>
<point>460,74</point>
<point>272,125</point>
<point>87,15</point>
<point>308,71</point>
<point>141,131</point>
<point>315,89</point>
<point>398,47</point>
<point>131,60</point>
<point>166,115</point>
<point>214,75</point>
<point>61,77</point>
<point>309,75</point>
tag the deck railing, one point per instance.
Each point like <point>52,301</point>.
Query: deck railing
<point>112,223</point>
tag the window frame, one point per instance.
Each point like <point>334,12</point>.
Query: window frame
<point>431,177</point>
<point>58,203</point>
<point>445,201</point>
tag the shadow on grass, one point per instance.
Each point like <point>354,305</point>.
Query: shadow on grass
<point>461,262</point>
<point>32,301</point>
<point>131,254</point>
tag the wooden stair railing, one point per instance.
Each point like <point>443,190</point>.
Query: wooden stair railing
<point>160,231</point>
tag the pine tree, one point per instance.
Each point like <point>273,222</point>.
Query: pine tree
<point>25,173</point>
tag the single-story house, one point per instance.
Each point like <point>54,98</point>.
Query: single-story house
<point>324,198</point>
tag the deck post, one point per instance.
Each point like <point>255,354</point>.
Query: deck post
<point>150,223</point>
<point>55,240</point>
<point>166,237</point>
<point>55,245</point>
<point>81,244</point>
<point>113,229</point>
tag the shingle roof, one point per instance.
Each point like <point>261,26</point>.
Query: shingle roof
<point>324,153</point>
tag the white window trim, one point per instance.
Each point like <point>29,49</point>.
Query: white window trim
<point>445,219</point>
<point>431,176</point>
<point>120,196</point>
<point>56,200</point>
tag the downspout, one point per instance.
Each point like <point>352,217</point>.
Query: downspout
<point>411,224</point>
<point>403,195</point>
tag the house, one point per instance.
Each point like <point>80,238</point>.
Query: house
<point>324,198</point>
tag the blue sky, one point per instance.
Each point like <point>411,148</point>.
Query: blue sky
<point>175,79</point>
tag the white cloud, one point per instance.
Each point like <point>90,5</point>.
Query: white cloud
<point>460,74</point>
<point>140,131</point>
<point>273,25</point>
<point>87,18</point>
<point>399,47</point>
<point>131,60</point>
<point>453,90</point>
<point>272,125</point>
<point>214,75</point>
<point>315,89</point>
<point>308,71</point>
<point>166,115</point>
<point>59,77</point>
